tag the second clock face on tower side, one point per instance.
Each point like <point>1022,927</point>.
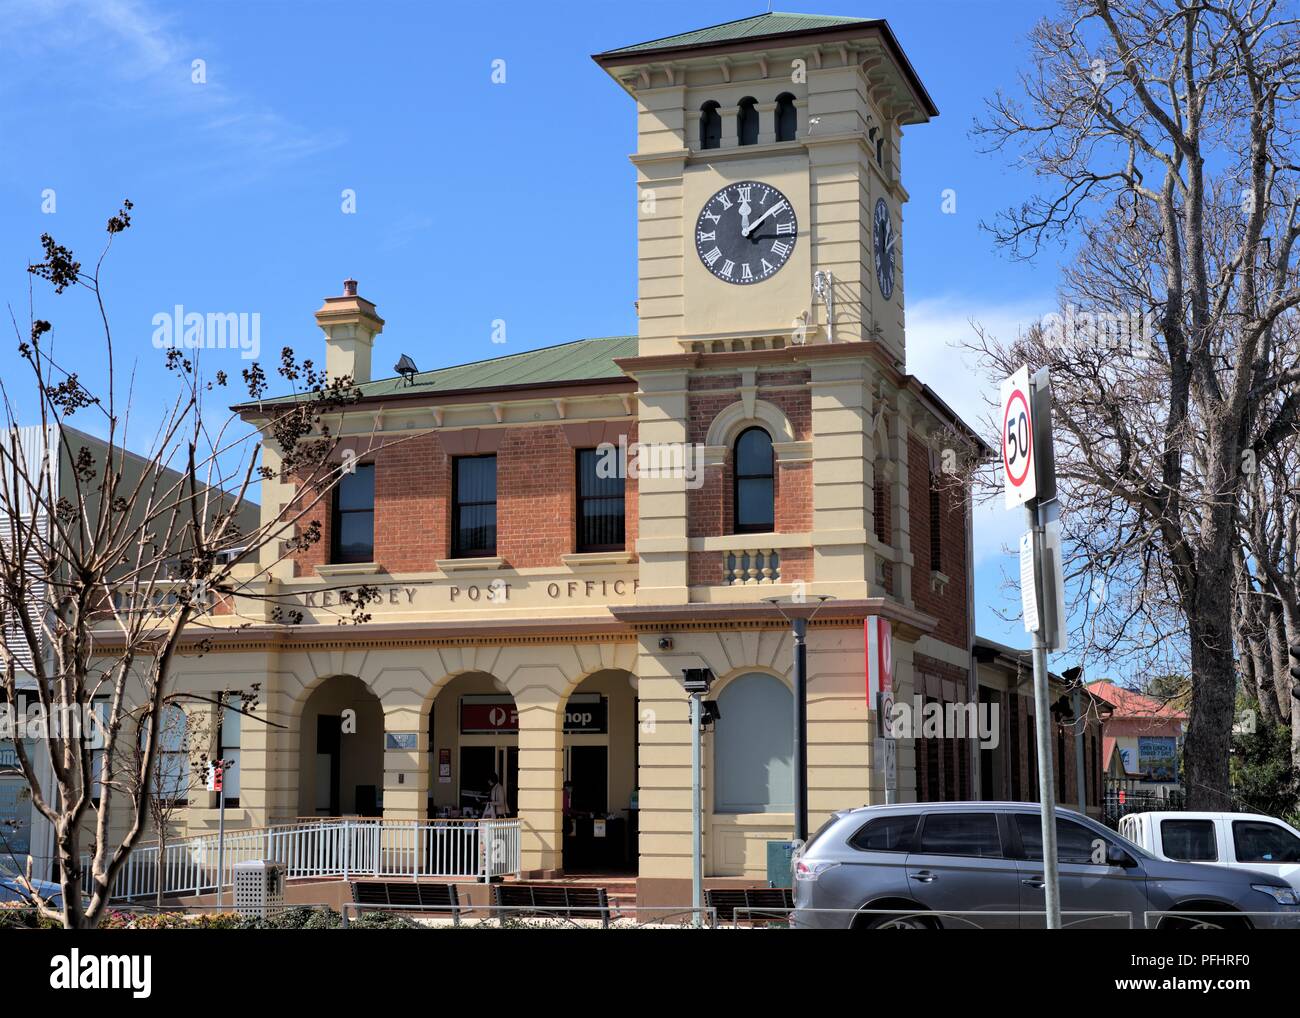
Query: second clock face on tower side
<point>746,232</point>
<point>883,242</point>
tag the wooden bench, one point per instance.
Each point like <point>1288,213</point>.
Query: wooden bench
<point>562,901</point>
<point>397,894</point>
<point>771,900</point>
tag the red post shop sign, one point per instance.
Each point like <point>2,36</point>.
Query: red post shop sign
<point>488,718</point>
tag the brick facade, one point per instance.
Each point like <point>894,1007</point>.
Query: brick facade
<point>948,604</point>
<point>536,500</point>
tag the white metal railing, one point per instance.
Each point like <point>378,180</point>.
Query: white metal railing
<point>751,565</point>
<point>480,849</point>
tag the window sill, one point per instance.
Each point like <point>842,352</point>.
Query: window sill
<point>331,569</point>
<point>594,559</point>
<point>938,582</point>
<point>470,565</point>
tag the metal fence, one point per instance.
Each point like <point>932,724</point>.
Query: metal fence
<point>480,849</point>
<point>1122,796</point>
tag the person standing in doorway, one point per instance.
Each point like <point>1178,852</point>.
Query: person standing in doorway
<point>496,799</point>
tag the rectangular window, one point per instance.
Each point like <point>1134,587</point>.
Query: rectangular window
<point>601,511</point>
<point>353,532</point>
<point>1264,842</point>
<point>1074,843</point>
<point>1189,840</point>
<point>936,539</point>
<point>474,506</point>
<point>171,780</point>
<point>961,834</point>
<point>228,738</point>
<point>880,505</point>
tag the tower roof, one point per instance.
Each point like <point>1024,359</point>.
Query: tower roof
<point>770,28</point>
<point>756,27</point>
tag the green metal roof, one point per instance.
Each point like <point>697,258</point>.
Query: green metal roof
<point>771,23</point>
<point>578,361</point>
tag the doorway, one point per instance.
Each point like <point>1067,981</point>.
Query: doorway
<point>477,765</point>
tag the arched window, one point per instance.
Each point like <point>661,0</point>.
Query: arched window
<point>753,746</point>
<point>754,502</point>
<point>786,118</point>
<point>747,121</point>
<point>710,126</point>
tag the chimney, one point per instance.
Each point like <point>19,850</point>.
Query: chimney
<point>350,325</point>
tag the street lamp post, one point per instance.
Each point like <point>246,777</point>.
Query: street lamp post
<point>798,614</point>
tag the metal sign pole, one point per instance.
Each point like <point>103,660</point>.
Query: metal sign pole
<point>800,626</point>
<point>1042,727</point>
<point>697,837</point>
<point>221,834</point>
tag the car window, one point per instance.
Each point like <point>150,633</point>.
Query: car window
<point>835,818</point>
<point>961,834</point>
<point>1074,842</point>
<point>1263,842</point>
<point>1189,840</point>
<point>886,834</point>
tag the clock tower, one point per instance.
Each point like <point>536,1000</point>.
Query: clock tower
<point>768,175</point>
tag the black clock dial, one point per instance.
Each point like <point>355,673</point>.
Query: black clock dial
<point>746,232</point>
<point>884,241</point>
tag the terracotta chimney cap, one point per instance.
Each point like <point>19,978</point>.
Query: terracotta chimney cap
<point>349,288</point>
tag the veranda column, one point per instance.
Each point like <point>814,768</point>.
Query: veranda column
<point>540,772</point>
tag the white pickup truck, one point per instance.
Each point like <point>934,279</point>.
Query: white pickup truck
<point>1243,841</point>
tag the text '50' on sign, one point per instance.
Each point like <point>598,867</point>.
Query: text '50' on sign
<point>1017,419</point>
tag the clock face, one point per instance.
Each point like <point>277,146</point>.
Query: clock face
<point>746,232</point>
<point>884,239</point>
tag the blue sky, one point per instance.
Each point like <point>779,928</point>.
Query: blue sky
<point>237,182</point>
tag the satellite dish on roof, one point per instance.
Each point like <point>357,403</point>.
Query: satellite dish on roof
<point>406,368</point>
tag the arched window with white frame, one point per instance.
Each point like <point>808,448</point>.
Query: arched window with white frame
<point>753,746</point>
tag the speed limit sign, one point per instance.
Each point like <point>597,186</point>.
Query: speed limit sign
<point>1020,483</point>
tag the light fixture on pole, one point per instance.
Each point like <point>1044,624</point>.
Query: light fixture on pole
<point>824,287</point>
<point>799,614</point>
<point>696,682</point>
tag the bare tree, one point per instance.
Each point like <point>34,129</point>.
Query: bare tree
<point>1163,132</point>
<point>108,558</point>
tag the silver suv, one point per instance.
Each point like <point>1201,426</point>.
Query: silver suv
<point>918,865</point>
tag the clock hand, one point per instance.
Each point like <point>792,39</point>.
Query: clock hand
<point>746,231</point>
<point>744,216</point>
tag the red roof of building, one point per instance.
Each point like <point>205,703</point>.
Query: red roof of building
<point>1130,704</point>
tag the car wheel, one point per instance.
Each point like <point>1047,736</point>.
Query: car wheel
<point>1201,922</point>
<point>901,921</point>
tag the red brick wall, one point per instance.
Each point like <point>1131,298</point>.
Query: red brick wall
<point>710,507</point>
<point>536,500</point>
<point>949,607</point>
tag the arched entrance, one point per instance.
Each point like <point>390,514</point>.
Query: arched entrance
<point>341,750</point>
<point>473,734</point>
<point>599,768</point>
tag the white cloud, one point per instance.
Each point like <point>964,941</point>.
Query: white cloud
<point>134,62</point>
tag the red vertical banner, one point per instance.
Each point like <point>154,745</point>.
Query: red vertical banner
<point>879,646</point>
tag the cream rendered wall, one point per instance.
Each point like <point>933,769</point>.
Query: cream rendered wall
<point>842,769</point>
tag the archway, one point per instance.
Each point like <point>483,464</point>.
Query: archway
<point>473,734</point>
<point>600,775</point>
<point>341,750</point>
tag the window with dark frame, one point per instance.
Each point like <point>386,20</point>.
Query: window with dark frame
<point>754,495</point>
<point>747,121</point>
<point>786,117</point>
<point>710,125</point>
<point>352,533</point>
<point>474,506</point>
<point>229,725</point>
<point>936,517</point>
<point>602,520</point>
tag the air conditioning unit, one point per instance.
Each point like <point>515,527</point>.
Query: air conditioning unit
<point>259,888</point>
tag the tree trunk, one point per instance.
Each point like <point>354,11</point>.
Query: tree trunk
<point>160,868</point>
<point>1209,727</point>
